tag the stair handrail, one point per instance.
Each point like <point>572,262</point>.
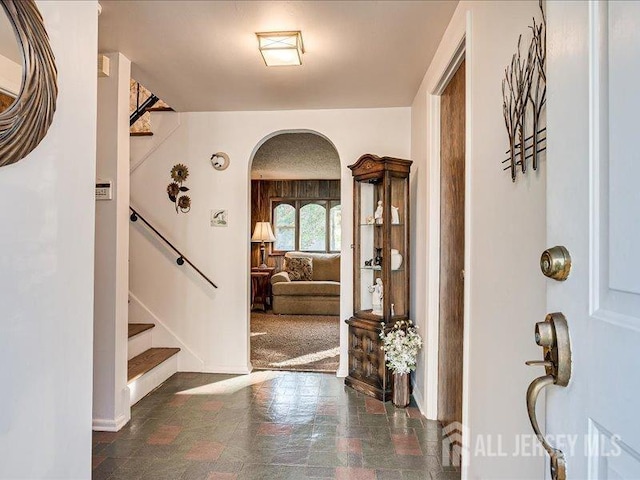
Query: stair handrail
<point>181,258</point>
<point>141,109</point>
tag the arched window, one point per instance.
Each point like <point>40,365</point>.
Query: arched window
<point>313,228</point>
<point>306,225</point>
<point>284,222</point>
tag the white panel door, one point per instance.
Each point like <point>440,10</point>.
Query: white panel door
<point>593,208</point>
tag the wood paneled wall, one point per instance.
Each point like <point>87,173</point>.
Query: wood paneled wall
<point>262,191</point>
<point>452,185</point>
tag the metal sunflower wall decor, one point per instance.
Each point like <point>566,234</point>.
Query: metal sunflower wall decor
<point>176,189</point>
<point>524,91</point>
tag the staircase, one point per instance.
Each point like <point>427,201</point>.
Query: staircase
<point>150,362</point>
<point>145,110</point>
<point>141,103</point>
<point>148,367</point>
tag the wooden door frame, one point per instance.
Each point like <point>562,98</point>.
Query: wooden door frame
<point>457,50</point>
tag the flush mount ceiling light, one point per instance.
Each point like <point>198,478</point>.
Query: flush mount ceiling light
<point>281,49</point>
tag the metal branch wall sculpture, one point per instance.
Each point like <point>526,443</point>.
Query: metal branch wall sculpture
<point>524,89</point>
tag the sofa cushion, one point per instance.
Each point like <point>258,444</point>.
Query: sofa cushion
<point>326,266</point>
<point>299,268</point>
<point>319,289</point>
<point>304,305</point>
<point>280,277</point>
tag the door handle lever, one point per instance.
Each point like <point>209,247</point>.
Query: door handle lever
<point>558,464</point>
<point>538,363</point>
<point>553,336</point>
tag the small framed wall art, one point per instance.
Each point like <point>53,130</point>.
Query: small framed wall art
<point>219,218</point>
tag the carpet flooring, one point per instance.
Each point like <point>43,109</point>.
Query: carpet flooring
<point>305,343</point>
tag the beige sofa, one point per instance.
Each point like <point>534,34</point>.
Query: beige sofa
<point>320,296</point>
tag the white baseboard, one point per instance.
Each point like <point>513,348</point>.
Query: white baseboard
<point>417,396</point>
<point>109,425</point>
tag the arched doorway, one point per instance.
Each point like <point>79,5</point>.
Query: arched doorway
<point>295,253</point>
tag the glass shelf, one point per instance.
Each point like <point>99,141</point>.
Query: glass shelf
<point>380,224</point>
<point>377,269</point>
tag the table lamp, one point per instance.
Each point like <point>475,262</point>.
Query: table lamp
<point>263,233</point>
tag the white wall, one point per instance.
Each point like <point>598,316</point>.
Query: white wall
<point>10,76</point>
<point>506,234</point>
<point>214,323</point>
<point>46,260</point>
<point>110,392</point>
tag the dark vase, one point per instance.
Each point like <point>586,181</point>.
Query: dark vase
<point>401,394</point>
<point>378,260</point>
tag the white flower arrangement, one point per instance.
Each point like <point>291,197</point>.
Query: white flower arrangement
<point>401,345</point>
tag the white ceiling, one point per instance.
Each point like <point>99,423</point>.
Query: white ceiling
<point>203,55</point>
<point>296,156</point>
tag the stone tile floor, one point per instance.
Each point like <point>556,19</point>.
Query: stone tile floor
<point>268,425</point>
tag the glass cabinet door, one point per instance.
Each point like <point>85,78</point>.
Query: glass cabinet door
<point>382,250</point>
<point>369,250</point>
<point>398,249</point>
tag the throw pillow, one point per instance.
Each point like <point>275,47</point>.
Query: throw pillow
<point>300,268</point>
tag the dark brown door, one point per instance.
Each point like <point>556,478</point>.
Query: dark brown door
<point>452,137</point>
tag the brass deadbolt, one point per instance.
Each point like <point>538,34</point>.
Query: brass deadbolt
<point>555,263</point>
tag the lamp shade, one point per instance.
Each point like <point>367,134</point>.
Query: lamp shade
<point>263,233</point>
<point>280,49</point>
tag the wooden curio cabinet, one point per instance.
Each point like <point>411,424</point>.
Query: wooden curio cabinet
<point>380,262</point>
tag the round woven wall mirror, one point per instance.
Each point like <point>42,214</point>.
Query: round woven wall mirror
<point>27,110</point>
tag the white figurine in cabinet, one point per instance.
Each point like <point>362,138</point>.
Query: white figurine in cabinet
<point>378,213</point>
<point>376,297</point>
<point>395,215</point>
<point>396,259</point>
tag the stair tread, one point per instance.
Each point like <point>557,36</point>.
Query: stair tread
<point>160,109</point>
<point>147,361</point>
<point>141,134</point>
<point>136,328</point>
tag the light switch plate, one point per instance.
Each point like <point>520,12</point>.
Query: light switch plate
<point>103,190</point>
